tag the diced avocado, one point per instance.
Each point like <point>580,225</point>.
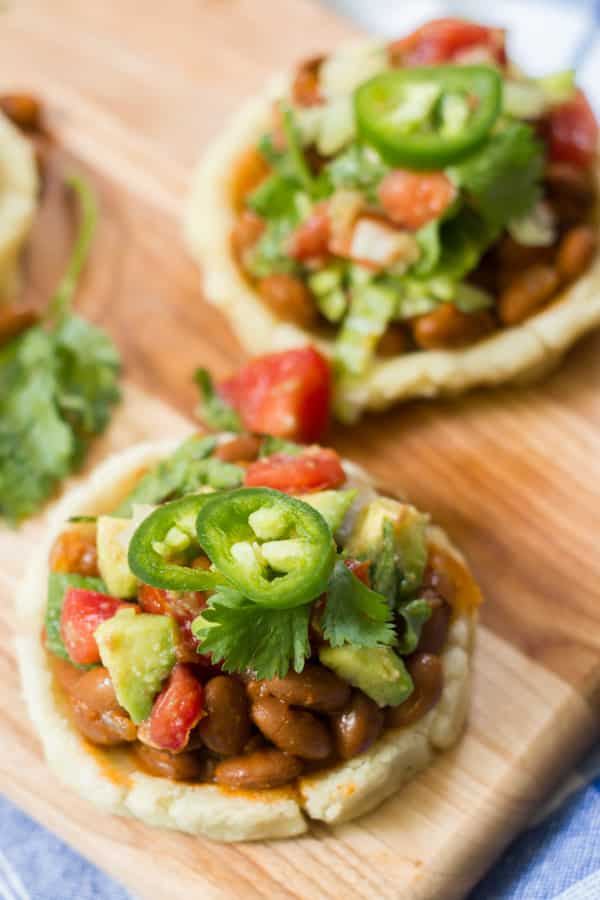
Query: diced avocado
<point>377,671</point>
<point>139,652</point>
<point>409,533</point>
<point>333,505</point>
<point>112,556</point>
<point>58,584</point>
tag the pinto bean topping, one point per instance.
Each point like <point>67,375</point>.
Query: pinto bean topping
<point>187,766</point>
<point>97,712</point>
<point>526,293</point>
<point>447,326</point>
<point>358,726</point>
<point>24,111</point>
<point>292,730</point>
<point>259,770</point>
<point>244,448</point>
<point>434,633</point>
<point>226,728</point>
<point>316,688</point>
<point>575,252</point>
<point>428,677</point>
<point>289,298</point>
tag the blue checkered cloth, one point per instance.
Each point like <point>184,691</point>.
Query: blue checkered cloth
<point>557,858</point>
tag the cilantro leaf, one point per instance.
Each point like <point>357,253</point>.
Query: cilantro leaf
<point>183,472</point>
<point>244,635</point>
<point>275,197</point>
<point>212,409</point>
<point>354,614</point>
<point>273,444</point>
<point>502,180</point>
<point>358,167</point>
<point>36,445</point>
<point>415,613</point>
<point>87,372</point>
<point>58,383</point>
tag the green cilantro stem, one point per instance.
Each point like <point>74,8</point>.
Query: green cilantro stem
<point>62,298</point>
<point>301,169</point>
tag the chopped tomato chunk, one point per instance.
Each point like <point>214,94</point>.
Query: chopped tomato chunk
<point>447,40</point>
<point>74,552</point>
<point>573,132</point>
<point>286,394</point>
<point>177,709</point>
<point>360,568</point>
<point>311,238</point>
<point>82,612</point>
<point>316,469</point>
<point>305,88</point>
<point>412,199</point>
<point>184,607</point>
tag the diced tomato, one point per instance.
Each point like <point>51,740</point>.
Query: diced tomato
<point>184,607</point>
<point>572,132</point>
<point>447,40</point>
<point>311,238</point>
<point>177,709</point>
<point>82,612</point>
<point>360,568</point>
<point>316,469</point>
<point>286,394</point>
<point>306,90</point>
<point>412,199</point>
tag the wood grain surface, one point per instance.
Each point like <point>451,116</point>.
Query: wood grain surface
<point>513,475</point>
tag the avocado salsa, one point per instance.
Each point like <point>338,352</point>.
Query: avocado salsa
<point>418,195</point>
<point>249,612</point>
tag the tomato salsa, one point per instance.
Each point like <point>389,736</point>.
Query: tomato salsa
<point>419,195</point>
<point>242,623</point>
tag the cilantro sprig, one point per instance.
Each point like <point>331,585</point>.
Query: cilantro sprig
<point>245,636</point>
<point>212,409</point>
<point>354,614</point>
<point>58,384</point>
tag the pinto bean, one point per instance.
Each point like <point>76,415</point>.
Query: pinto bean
<point>15,318</point>
<point>187,766</point>
<point>66,674</point>
<point>259,770</point>
<point>23,110</point>
<point>575,252</point>
<point>434,633</point>
<point>447,326</point>
<point>244,448</point>
<point>570,192</point>
<point>292,730</point>
<point>393,341</point>
<point>96,710</point>
<point>74,552</point>
<point>438,580</point>
<point>289,298</point>
<point>245,233</point>
<point>305,87</point>
<point>526,293</point>
<point>226,728</point>
<point>358,726</point>
<point>428,677</point>
<point>316,688</point>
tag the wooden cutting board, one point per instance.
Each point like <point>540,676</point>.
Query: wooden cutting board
<point>513,475</point>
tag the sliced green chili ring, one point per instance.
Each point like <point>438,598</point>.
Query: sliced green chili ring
<point>425,147</point>
<point>170,527</point>
<point>276,550</point>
